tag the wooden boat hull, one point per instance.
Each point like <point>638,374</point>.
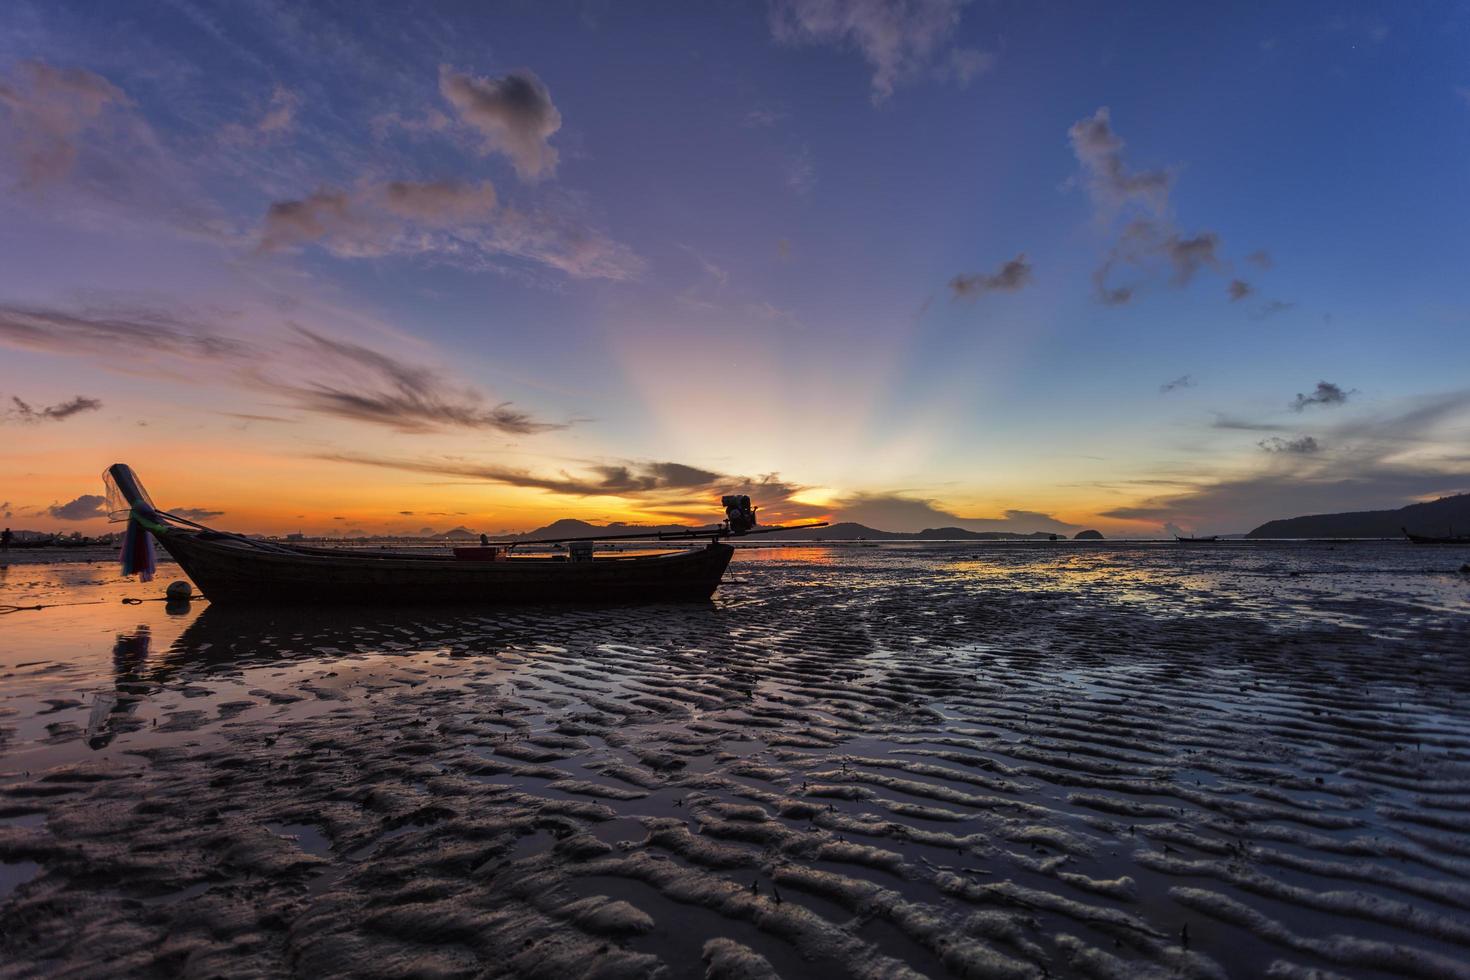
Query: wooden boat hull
<point>1459,539</point>
<point>228,571</point>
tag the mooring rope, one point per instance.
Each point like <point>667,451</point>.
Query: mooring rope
<point>6,610</point>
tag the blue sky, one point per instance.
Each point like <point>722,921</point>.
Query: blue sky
<point>843,251</point>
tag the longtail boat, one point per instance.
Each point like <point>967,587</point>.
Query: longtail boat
<point>1211,539</point>
<point>234,568</point>
<point>1451,538</point>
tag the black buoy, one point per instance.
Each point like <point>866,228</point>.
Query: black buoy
<point>177,597</point>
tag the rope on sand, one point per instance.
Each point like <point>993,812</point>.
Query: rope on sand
<point>6,610</point>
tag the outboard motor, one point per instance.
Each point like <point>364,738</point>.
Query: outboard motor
<point>739,515</point>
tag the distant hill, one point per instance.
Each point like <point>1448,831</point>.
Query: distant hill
<point>460,534</point>
<point>571,528</point>
<point>960,534</point>
<point>845,531</point>
<point>1087,536</point>
<point>1434,517</point>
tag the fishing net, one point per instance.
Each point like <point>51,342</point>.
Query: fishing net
<point>118,507</point>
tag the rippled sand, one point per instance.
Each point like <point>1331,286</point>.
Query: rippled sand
<point>990,762</point>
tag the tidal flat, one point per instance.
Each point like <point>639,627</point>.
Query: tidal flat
<point>1011,761</point>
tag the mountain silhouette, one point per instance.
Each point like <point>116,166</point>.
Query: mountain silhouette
<point>845,531</point>
<point>1433,517</point>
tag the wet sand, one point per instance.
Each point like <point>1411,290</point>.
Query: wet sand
<point>1027,761</point>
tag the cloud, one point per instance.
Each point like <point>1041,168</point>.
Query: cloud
<point>716,273</point>
<point>439,202</point>
<point>117,335</point>
<point>513,114</point>
<point>600,480</point>
<point>1409,452</point>
<point>1238,289</point>
<point>1326,393</point>
<point>323,214</point>
<point>84,508</point>
<point>1189,255</point>
<point>376,219</point>
<point>278,119</point>
<point>252,417</point>
<point>1260,257</point>
<point>1183,381</point>
<point>433,121</point>
<point>1154,247</point>
<point>897,38</point>
<point>5,510</point>
<point>1010,277</point>
<point>1301,444</point>
<point>311,370</point>
<point>557,237</point>
<point>900,512</point>
<point>1228,422</point>
<point>457,222</point>
<point>1109,181</point>
<point>281,115</point>
<point>1148,241</point>
<point>23,412</point>
<point>200,514</point>
<point>89,158</point>
<point>368,386</point>
<point>1110,295</point>
<point>674,488</point>
<point>48,110</point>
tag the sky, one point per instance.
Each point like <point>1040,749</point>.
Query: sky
<point>1036,266</point>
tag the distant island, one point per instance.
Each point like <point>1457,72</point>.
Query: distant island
<point>846,531</point>
<point>1433,517</point>
<point>1087,536</point>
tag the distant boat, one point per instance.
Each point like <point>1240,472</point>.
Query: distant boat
<point>233,568</point>
<point>1451,538</point>
<point>1210,539</point>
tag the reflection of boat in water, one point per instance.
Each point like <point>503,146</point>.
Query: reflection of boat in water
<point>230,637</point>
<point>1210,539</point>
<point>1451,538</point>
<point>237,635</point>
<point>235,568</point>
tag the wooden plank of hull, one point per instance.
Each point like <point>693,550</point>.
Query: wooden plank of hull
<point>227,572</point>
